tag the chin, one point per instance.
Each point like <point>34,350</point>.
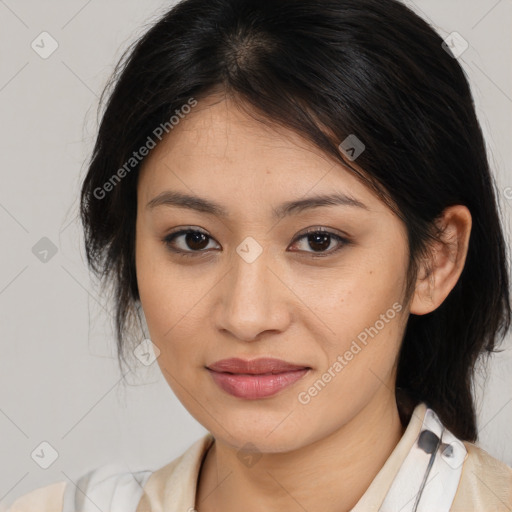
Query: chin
<point>260,433</point>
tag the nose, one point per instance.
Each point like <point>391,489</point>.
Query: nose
<point>253,299</point>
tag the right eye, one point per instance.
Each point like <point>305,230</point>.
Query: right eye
<point>191,242</point>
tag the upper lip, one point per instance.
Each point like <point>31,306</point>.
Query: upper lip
<point>254,366</point>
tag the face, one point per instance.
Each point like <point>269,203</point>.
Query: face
<point>316,285</point>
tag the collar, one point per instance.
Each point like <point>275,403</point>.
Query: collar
<point>421,474</point>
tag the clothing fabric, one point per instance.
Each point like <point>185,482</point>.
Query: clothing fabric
<point>429,470</point>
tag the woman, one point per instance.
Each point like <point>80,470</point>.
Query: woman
<point>296,194</point>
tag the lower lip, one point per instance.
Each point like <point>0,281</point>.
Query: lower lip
<point>256,386</point>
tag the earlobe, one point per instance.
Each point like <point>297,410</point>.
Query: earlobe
<point>423,299</point>
<point>439,274</point>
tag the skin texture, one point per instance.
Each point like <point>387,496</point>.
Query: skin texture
<point>285,304</point>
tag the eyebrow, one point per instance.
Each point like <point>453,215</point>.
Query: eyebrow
<point>181,200</point>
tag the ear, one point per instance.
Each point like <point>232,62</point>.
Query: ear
<point>438,275</point>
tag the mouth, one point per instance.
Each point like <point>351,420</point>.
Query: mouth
<point>255,379</point>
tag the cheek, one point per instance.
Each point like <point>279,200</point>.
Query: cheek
<point>363,310</point>
<point>170,299</point>
<point>353,296</point>
<point>156,290</point>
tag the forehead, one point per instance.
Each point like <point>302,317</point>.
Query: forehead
<point>219,129</point>
<point>219,148</point>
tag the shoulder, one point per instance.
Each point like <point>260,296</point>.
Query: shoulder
<point>486,482</point>
<point>109,487</point>
<point>47,498</point>
<point>113,487</point>
<point>176,481</point>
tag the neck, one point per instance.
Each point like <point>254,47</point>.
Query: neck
<point>330,474</point>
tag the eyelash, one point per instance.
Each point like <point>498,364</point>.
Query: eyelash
<point>167,240</point>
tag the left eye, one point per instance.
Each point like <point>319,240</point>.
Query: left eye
<point>320,241</point>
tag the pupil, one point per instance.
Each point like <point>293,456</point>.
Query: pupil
<point>319,239</point>
<point>196,240</point>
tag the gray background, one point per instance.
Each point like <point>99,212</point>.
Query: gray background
<point>59,378</point>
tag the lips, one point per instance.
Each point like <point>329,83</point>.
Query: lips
<point>256,379</point>
<point>260,366</point>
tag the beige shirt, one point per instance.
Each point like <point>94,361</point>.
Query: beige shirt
<point>485,484</point>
